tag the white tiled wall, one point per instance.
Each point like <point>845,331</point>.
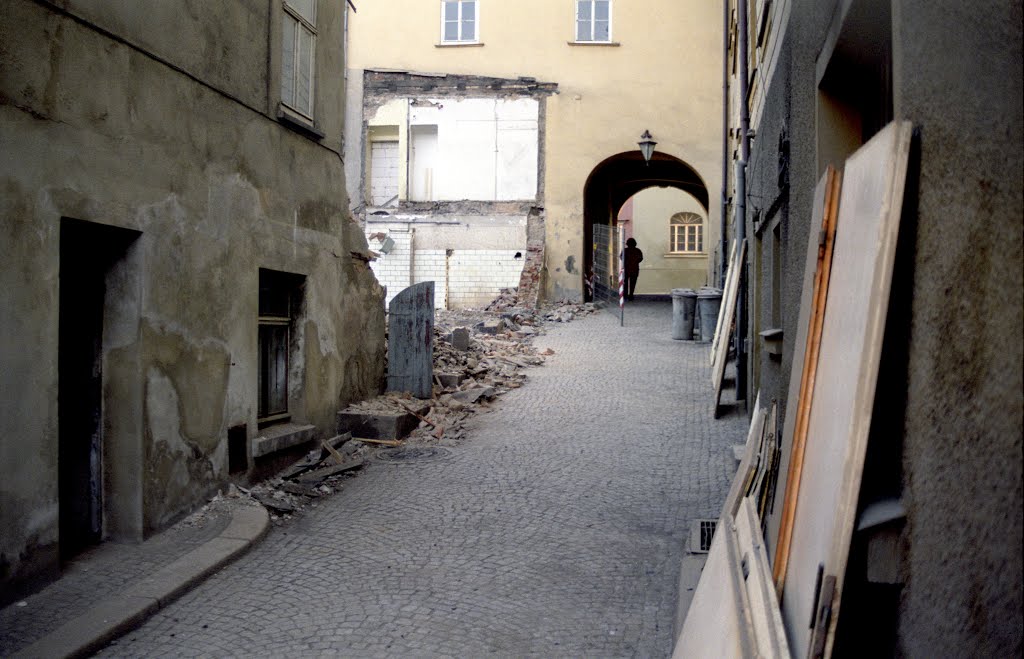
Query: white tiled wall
<point>462,278</point>
<point>429,265</point>
<point>394,269</point>
<point>476,276</point>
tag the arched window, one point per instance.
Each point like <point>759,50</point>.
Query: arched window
<point>686,234</point>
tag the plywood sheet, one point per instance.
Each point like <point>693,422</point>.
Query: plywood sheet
<point>851,345</point>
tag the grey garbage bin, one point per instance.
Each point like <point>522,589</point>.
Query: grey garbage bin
<point>708,304</point>
<point>684,306</point>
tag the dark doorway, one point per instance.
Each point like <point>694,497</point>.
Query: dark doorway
<point>87,252</point>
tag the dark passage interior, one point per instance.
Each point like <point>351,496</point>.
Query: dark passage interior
<point>87,252</point>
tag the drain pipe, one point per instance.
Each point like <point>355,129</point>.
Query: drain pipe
<point>741,205</point>
<point>724,248</point>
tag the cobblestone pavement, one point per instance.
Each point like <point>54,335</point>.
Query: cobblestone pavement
<point>101,572</point>
<point>555,529</point>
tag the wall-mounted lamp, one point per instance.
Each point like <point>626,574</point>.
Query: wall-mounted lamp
<point>647,145</point>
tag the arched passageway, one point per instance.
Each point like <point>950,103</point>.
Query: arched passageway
<point>618,178</point>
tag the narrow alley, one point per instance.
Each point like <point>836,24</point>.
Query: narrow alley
<point>556,528</point>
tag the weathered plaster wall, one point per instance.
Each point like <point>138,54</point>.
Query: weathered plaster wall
<point>96,130</point>
<point>660,271</point>
<point>663,76</point>
<point>948,422</point>
<point>957,74</point>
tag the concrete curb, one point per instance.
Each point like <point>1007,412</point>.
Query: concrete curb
<point>114,616</point>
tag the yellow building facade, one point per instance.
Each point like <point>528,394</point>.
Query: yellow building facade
<point>598,72</point>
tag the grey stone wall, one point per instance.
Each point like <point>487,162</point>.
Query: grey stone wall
<point>166,126</point>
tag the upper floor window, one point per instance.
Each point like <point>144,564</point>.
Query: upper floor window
<point>686,234</point>
<point>458,21</point>
<point>594,20</point>
<point>298,56</point>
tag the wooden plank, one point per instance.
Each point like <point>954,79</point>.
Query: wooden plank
<point>729,274</point>
<point>411,341</point>
<point>728,309</point>
<point>801,384</point>
<point>846,380</point>
<point>769,634</point>
<point>736,489</point>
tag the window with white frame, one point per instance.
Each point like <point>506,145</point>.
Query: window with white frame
<point>298,55</point>
<point>594,20</point>
<point>686,234</point>
<point>459,21</point>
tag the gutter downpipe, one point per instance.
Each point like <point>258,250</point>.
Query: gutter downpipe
<point>724,248</point>
<point>741,203</point>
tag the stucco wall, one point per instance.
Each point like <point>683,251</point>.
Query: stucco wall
<point>97,130</point>
<point>660,270</point>
<point>958,76</point>
<point>664,75</point>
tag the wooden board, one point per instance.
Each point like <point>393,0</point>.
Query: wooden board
<point>411,341</point>
<point>769,635</point>
<point>729,274</point>
<point>820,241</point>
<point>727,310</point>
<point>746,466</point>
<point>844,388</point>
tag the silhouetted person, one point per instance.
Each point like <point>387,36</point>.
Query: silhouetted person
<point>632,259</point>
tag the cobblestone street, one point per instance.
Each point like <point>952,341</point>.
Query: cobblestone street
<point>556,528</point>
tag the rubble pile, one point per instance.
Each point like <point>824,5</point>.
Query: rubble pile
<point>478,355</point>
<point>319,474</point>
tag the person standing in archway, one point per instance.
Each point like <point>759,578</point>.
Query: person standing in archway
<point>633,257</point>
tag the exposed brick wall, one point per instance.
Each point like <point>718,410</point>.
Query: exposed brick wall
<point>394,269</point>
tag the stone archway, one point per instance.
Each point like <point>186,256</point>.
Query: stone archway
<point>618,178</point>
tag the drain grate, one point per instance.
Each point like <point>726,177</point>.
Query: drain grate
<point>404,454</point>
<point>701,534</point>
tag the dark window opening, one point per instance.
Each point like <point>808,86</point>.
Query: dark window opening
<point>279,305</point>
<point>238,453</point>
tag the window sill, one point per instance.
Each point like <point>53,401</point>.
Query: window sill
<point>688,255</point>
<point>281,436</point>
<point>298,123</point>
<point>459,44</point>
<point>606,44</point>
<point>772,339</point>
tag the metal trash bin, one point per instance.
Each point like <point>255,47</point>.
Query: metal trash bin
<point>708,304</point>
<point>684,306</point>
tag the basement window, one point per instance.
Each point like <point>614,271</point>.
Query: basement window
<point>280,301</point>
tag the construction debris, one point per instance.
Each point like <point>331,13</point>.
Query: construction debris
<point>478,355</point>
